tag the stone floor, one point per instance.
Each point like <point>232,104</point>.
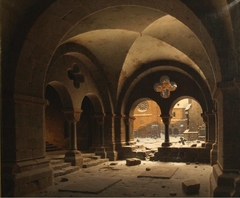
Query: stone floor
<point>127,183</point>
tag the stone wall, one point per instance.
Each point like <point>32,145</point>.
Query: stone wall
<point>201,155</point>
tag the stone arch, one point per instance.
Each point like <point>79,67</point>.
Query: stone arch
<point>190,97</point>
<point>164,66</point>
<point>56,18</point>
<point>63,94</point>
<point>93,66</point>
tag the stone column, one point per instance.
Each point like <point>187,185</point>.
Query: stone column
<point>211,129</point>
<point>100,150</point>
<point>225,179</point>
<point>120,131</point>
<point>73,155</point>
<point>129,130</point>
<point>24,165</point>
<point>214,151</point>
<point>205,120</point>
<point>109,136</point>
<point>166,120</point>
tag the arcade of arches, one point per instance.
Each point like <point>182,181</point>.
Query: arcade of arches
<point>73,71</point>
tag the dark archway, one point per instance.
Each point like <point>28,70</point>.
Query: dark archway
<point>57,132</point>
<point>84,126</point>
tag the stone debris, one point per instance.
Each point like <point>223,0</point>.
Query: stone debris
<point>113,163</point>
<point>190,186</point>
<point>173,193</point>
<point>64,179</point>
<point>148,169</point>
<point>133,161</point>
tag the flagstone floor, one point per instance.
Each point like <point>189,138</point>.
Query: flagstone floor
<point>116,179</point>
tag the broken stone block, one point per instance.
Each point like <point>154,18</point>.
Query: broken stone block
<point>113,163</point>
<point>63,179</point>
<point>148,169</point>
<point>190,186</point>
<point>173,193</point>
<point>133,161</point>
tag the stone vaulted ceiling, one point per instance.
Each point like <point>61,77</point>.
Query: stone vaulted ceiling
<point>123,38</point>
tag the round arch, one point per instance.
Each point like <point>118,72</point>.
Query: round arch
<point>155,69</point>
<point>63,94</point>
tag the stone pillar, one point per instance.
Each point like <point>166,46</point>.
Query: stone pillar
<point>129,130</point>
<point>120,131</point>
<point>73,155</point>
<point>225,179</point>
<point>211,129</point>
<point>205,120</point>
<point>24,165</point>
<point>109,136</point>
<point>166,120</point>
<point>101,150</point>
<point>214,151</point>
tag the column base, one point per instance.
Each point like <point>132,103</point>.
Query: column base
<point>166,144</point>
<point>224,184</point>
<point>112,155</point>
<point>101,151</point>
<point>74,157</point>
<point>26,177</point>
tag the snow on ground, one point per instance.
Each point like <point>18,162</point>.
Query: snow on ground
<point>153,143</point>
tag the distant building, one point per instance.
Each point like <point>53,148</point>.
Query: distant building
<point>186,114</point>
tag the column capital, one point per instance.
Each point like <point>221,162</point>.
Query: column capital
<point>72,115</point>
<point>166,118</point>
<point>128,119</point>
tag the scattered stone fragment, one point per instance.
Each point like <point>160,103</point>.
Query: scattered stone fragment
<point>113,163</point>
<point>163,186</point>
<point>190,186</point>
<point>64,179</point>
<point>195,166</point>
<point>173,193</point>
<point>188,163</point>
<point>133,161</point>
<point>197,162</point>
<point>148,169</point>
